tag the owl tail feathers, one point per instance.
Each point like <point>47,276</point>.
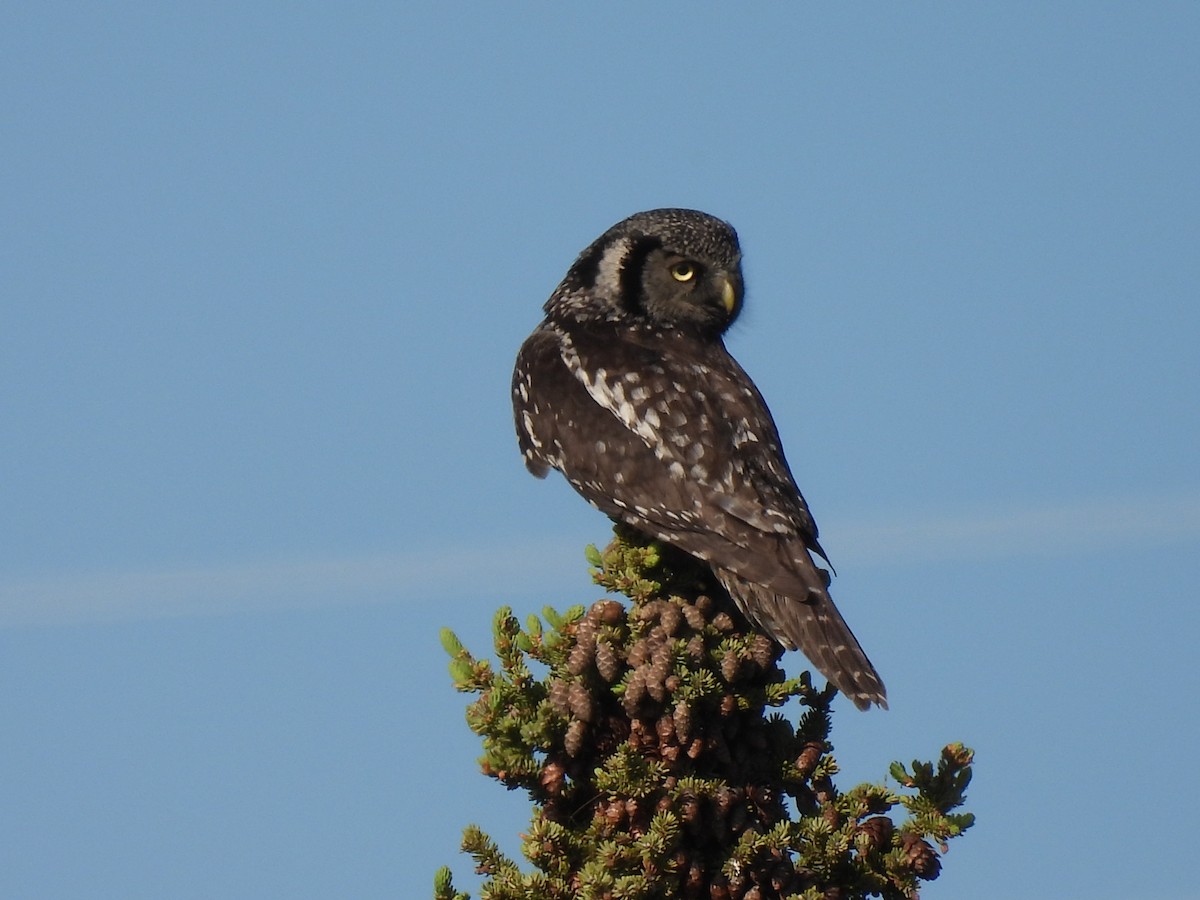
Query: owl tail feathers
<point>817,630</point>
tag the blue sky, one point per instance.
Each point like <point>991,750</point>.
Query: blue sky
<point>264,269</point>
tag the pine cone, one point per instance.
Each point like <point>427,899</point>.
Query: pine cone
<point>635,693</point>
<point>693,616</point>
<point>731,667</point>
<point>723,623</point>
<point>573,741</point>
<point>682,715</point>
<point>921,858</point>
<point>559,696</point>
<point>580,701</point>
<point>670,619</point>
<point>764,651</point>
<point>665,728</point>
<point>581,657</point>
<point>607,612</point>
<point>879,830</point>
<point>639,652</point>
<point>608,662</point>
<point>552,777</point>
<point>808,759</point>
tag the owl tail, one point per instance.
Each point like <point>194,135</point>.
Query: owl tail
<point>815,628</point>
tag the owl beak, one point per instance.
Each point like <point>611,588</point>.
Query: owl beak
<point>729,294</point>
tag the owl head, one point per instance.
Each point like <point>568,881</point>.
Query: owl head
<point>664,268</point>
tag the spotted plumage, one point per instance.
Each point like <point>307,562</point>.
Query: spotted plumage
<point>627,389</point>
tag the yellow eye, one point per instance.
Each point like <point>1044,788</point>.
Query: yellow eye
<point>683,271</point>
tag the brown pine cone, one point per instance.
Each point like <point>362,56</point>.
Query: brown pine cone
<point>607,612</point>
<point>670,619</point>
<point>559,696</point>
<point>808,759</point>
<point>608,662</point>
<point>635,692</point>
<point>722,622</point>
<point>682,715</point>
<point>693,617</point>
<point>552,777</point>
<point>921,858</point>
<point>763,651</point>
<point>573,742</point>
<point>879,830</point>
<point>580,701</point>
<point>581,657</point>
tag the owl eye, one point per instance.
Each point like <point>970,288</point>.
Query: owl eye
<point>683,271</point>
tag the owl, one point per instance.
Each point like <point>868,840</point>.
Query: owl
<point>627,389</point>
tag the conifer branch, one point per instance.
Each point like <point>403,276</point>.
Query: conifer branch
<point>650,741</point>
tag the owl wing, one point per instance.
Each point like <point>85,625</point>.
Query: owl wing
<point>671,436</point>
<point>668,434</point>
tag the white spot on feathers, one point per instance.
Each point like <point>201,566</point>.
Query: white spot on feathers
<point>527,421</point>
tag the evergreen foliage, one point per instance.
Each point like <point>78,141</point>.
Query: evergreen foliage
<point>659,767</point>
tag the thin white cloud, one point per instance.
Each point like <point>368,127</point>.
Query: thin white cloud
<point>278,584</point>
<point>1059,530</point>
<point>1041,531</point>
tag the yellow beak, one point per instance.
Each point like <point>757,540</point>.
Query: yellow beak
<point>729,295</point>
